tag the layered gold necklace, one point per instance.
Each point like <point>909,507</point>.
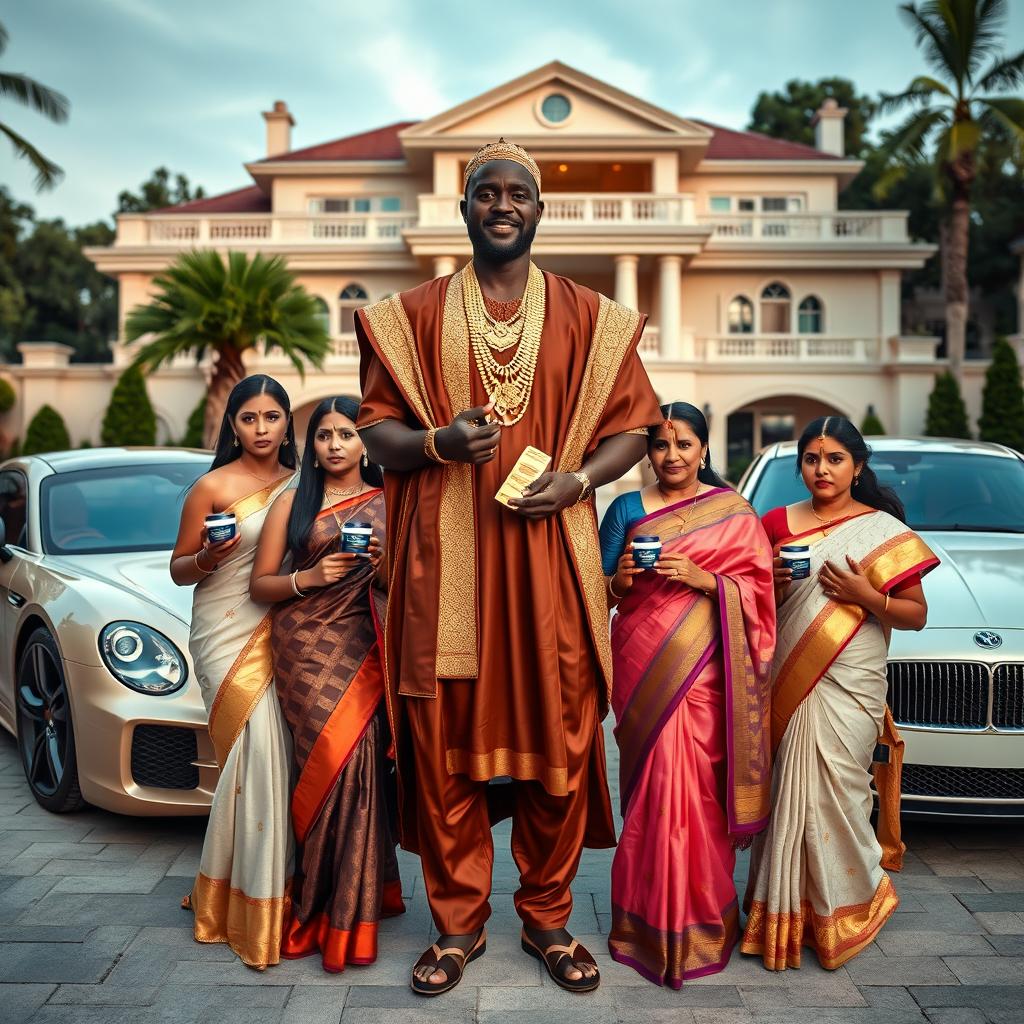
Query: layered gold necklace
<point>511,384</point>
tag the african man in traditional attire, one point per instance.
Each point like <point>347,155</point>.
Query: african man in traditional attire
<point>496,636</point>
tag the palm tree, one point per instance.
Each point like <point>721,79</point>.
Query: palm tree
<point>201,303</point>
<point>956,115</point>
<point>42,99</point>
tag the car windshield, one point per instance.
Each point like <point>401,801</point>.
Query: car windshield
<point>940,490</point>
<point>123,508</point>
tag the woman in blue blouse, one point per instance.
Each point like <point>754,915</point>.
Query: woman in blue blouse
<point>692,637</point>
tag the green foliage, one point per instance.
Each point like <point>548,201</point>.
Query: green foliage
<point>158,192</point>
<point>8,396</point>
<point>129,418</point>
<point>38,97</point>
<point>947,414</point>
<point>49,290</point>
<point>46,432</point>
<point>85,444</point>
<point>1002,401</point>
<point>872,424</point>
<point>788,114</point>
<point>194,430</point>
<point>200,302</point>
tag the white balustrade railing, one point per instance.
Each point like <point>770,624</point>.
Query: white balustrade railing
<point>571,210</point>
<point>771,348</point>
<point>841,226</point>
<point>256,228</point>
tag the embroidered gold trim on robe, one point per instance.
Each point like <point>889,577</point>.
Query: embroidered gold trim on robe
<point>613,334</point>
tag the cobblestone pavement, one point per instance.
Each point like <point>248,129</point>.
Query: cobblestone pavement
<point>91,932</point>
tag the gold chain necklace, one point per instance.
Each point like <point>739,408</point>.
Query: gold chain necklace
<point>689,508</point>
<point>343,493</point>
<point>825,523</point>
<point>511,385</point>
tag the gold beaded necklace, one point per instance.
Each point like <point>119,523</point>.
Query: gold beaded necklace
<point>511,384</point>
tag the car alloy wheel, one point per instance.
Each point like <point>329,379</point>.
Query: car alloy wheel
<point>46,739</point>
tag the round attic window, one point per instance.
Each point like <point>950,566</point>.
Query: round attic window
<point>555,108</point>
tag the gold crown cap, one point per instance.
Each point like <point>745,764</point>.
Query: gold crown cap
<point>502,150</point>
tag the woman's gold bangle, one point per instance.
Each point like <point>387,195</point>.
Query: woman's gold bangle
<point>611,590</point>
<point>885,607</point>
<point>430,448</point>
<point>205,572</point>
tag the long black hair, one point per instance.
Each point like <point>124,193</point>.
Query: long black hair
<point>310,491</point>
<point>249,387</point>
<point>866,488</point>
<point>692,415</point>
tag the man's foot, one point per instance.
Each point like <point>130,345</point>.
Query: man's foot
<point>440,968</point>
<point>570,965</point>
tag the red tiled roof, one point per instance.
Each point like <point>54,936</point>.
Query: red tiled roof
<point>379,144</point>
<point>250,199</point>
<point>729,144</point>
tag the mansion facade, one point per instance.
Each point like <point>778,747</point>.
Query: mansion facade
<point>768,304</point>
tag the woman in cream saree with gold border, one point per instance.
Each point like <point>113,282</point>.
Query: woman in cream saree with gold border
<point>817,875</point>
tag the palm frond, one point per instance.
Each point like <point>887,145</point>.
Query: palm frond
<point>920,90</point>
<point>1008,113</point>
<point>4,37</point>
<point>1007,73</point>
<point>959,138</point>
<point>48,174</point>
<point>906,142</point>
<point>35,95</point>
<point>201,302</point>
<point>932,35</point>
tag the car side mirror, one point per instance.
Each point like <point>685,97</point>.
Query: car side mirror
<point>6,554</point>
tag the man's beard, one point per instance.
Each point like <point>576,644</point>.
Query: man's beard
<point>485,248</point>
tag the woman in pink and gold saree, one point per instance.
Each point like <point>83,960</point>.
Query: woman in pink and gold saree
<point>692,643</point>
<point>328,603</point>
<point>816,876</point>
<point>241,894</point>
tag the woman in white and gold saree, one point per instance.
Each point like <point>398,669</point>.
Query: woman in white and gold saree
<point>817,875</point>
<point>241,894</point>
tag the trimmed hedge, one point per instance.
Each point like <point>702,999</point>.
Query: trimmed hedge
<point>46,432</point>
<point>129,418</point>
<point>947,414</point>
<point>194,430</point>
<point>1002,401</point>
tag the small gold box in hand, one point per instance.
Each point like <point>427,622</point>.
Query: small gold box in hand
<point>529,466</point>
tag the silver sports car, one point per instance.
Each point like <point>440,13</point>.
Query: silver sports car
<point>956,689</point>
<point>95,677</point>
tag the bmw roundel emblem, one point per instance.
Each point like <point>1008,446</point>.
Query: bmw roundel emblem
<point>987,639</point>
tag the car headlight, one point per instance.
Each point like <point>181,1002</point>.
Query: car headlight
<point>143,659</point>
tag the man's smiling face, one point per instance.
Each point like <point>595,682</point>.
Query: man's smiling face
<point>501,209</point>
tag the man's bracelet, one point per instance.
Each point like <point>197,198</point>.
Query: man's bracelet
<point>588,487</point>
<point>430,448</point>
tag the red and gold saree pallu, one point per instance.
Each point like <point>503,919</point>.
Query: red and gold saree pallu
<point>817,875</point>
<point>330,681</point>
<point>691,702</point>
<point>241,894</point>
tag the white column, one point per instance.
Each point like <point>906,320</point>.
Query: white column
<point>888,311</point>
<point>626,290</point>
<point>669,300</point>
<point>444,265</point>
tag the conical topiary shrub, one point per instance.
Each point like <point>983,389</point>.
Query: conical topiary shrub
<point>129,418</point>
<point>947,414</point>
<point>7,396</point>
<point>872,424</point>
<point>46,432</point>
<point>1002,401</point>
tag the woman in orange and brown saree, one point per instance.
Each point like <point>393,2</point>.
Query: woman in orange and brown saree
<point>330,682</point>
<point>692,642</point>
<point>816,876</point>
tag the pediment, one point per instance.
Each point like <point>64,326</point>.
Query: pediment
<point>597,111</point>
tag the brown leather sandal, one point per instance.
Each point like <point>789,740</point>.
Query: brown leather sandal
<point>457,959</point>
<point>553,956</point>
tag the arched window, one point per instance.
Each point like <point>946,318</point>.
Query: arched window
<point>776,309</point>
<point>810,316</point>
<point>352,297</point>
<point>323,314</point>
<point>741,315</point>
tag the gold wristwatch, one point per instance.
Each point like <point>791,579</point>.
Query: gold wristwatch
<point>588,487</point>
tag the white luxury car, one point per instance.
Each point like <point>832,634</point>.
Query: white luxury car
<point>956,689</point>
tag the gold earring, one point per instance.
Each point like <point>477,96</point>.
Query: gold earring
<point>703,463</point>
<point>234,444</point>
<point>366,458</point>
<point>316,463</point>
<point>285,443</point>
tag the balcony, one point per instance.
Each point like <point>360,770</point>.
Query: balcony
<point>270,230</point>
<point>774,348</point>
<point>844,226</point>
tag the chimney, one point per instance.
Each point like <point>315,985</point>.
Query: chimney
<point>279,129</point>
<point>828,125</point>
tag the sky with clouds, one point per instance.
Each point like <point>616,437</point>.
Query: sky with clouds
<point>182,82</point>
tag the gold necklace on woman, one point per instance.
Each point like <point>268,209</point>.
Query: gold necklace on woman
<point>511,384</point>
<point>689,508</point>
<point>825,523</point>
<point>341,493</point>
